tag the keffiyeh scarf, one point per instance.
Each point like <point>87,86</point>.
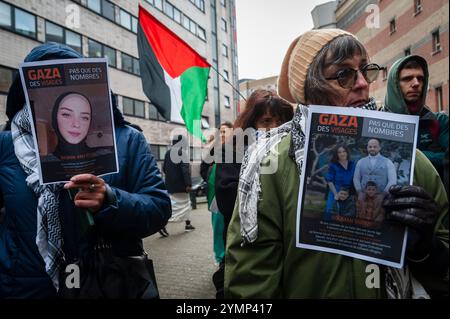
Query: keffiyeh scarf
<point>48,237</point>
<point>399,283</point>
<point>249,187</point>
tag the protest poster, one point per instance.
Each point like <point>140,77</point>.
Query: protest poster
<point>352,157</point>
<point>72,120</point>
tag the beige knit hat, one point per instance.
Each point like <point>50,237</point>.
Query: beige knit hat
<point>298,58</point>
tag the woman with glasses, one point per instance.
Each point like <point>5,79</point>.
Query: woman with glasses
<point>325,67</point>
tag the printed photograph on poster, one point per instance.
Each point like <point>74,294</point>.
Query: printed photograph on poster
<point>72,123</point>
<point>352,158</point>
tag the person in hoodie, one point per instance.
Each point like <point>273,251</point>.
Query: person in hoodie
<point>42,226</point>
<point>406,94</point>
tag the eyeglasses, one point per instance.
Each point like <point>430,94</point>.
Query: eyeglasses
<point>347,77</point>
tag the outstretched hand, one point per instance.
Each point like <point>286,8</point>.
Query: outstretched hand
<point>92,191</point>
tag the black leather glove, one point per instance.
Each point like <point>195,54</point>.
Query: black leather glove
<point>413,207</point>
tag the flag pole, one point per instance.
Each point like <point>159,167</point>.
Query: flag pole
<point>227,81</point>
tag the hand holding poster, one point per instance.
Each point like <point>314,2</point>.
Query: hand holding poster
<point>72,117</point>
<point>352,158</point>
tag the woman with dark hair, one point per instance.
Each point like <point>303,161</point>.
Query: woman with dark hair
<point>340,174</point>
<point>264,110</point>
<point>71,122</point>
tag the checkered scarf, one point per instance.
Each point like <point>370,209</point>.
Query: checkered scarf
<point>48,237</point>
<point>400,284</point>
<point>249,187</point>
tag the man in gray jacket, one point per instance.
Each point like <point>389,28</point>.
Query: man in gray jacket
<point>374,167</point>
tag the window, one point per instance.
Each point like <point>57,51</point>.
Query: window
<point>154,149</point>
<point>24,23</point>
<point>128,107</point>
<point>133,107</point>
<point>200,4</point>
<point>162,151</point>
<point>110,54</point>
<point>73,40</point>
<point>177,15</point>
<point>17,20</point>
<point>407,51</point>
<point>223,24</point>
<point>139,108</point>
<point>226,75</point>
<point>98,50</point>
<point>130,64</point>
<point>7,76</point>
<point>439,98</point>
<point>136,67</point>
<point>108,10</point>
<point>103,7</point>
<point>168,9</point>
<point>193,27</point>
<point>134,24</point>
<point>5,15</point>
<point>186,22</point>
<point>153,112</point>
<point>417,6</point>
<point>223,3</point>
<point>95,49</point>
<point>224,50</point>
<point>127,63</point>
<point>227,102</point>
<point>95,5</point>
<point>436,42</point>
<point>205,122</point>
<point>201,33</point>
<point>392,26</point>
<point>55,33</point>
<point>125,19</point>
<point>159,5</point>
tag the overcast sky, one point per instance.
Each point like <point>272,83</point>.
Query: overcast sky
<point>265,28</point>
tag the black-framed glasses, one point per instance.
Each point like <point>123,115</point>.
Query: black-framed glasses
<point>347,77</point>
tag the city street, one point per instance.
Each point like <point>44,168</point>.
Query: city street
<point>184,261</point>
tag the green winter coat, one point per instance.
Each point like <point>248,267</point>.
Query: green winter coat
<point>432,145</point>
<point>273,267</point>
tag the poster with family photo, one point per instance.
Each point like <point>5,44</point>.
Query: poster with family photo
<point>352,157</point>
<point>72,124</point>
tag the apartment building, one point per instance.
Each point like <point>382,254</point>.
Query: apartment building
<point>108,28</point>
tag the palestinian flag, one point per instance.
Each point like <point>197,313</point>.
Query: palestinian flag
<point>174,76</point>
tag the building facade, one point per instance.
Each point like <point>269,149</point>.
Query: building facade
<point>248,86</point>
<point>391,29</point>
<point>108,28</point>
<point>324,16</point>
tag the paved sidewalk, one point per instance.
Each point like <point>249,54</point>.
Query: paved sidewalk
<point>184,261</point>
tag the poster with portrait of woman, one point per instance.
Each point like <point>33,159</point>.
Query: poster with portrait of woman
<point>352,158</point>
<point>72,124</point>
